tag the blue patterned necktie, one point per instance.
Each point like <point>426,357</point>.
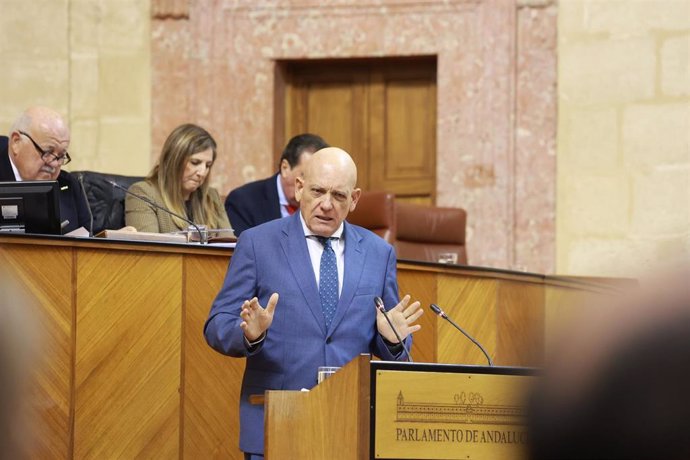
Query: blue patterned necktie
<point>328,280</point>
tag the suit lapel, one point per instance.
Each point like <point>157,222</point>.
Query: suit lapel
<point>6,173</point>
<point>353,268</point>
<point>295,246</point>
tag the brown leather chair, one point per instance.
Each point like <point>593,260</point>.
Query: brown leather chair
<point>426,232</point>
<point>376,211</point>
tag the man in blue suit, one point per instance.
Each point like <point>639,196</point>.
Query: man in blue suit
<point>272,198</point>
<point>306,259</point>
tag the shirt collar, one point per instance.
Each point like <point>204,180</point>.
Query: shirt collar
<point>337,234</point>
<point>282,199</point>
<point>17,177</point>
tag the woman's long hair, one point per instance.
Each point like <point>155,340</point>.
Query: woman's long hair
<point>183,142</point>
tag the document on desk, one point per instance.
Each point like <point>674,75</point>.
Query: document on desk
<point>79,232</point>
<point>142,236</point>
<point>176,237</point>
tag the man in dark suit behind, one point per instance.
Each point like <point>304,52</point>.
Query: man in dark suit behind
<point>36,149</point>
<point>327,273</point>
<point>272,198</point>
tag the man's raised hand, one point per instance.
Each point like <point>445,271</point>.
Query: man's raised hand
<point>256,318</point>
<point>403,316</point>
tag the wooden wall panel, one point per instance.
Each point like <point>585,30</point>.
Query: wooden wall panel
<point>406,165</point>
<point>471,303</point>
<point>127,372</point>
<point>45,275</point>
<point>211,380</point>
<point>125,355</point>
<point>561,303</point>
<point>328,100</point>
<point>520,324</point>
<point>422,287</point>
<point>331,108</point>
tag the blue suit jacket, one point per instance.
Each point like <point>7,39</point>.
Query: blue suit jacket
<point>253,204</point>
<point>273,257</point>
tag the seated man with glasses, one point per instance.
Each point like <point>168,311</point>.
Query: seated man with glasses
<point>36,149</point>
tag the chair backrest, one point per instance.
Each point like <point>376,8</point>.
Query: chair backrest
<point>107,203</point>
<point>426,232</point>
<point>376,211</point>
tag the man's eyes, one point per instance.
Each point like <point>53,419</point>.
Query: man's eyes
<point>338,196</point>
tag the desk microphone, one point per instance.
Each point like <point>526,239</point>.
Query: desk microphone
<point>436,309</point>
<point>80,177</point>
<point>378,303</point>
<point>202,236</point>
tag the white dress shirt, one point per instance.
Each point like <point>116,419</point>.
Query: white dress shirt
<point>316,249</point>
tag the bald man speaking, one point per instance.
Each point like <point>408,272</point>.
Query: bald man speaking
<point>36,149</point>
<point>299,293</point>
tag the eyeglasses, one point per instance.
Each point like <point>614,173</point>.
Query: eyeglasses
<point>48,157</point>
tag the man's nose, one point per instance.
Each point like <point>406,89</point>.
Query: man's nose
<point>51,160</point>
<point>327,202</point>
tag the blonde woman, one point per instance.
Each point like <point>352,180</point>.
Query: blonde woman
<point>179,182</point>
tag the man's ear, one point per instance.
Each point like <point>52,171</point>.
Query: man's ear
<point>13,143</point>
<point>299,187</point>
<point>356,193</point>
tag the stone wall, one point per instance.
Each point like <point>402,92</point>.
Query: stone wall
<point>215,62</point>
<point>619,200</point>
<point>90,60</point>
<point>623,135</point>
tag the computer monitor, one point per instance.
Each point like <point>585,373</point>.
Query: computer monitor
<point>30,207</point>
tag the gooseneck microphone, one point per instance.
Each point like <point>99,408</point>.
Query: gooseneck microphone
<point>202,236</point>
<point>436,309</point>
<point>80,178</point>
<point>378,303</point>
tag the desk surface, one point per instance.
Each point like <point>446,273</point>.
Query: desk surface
<point>224,251</point>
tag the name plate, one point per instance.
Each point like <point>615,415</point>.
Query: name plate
<point>446,415</point>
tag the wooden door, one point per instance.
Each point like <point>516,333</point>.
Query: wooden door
<point>382,111</point>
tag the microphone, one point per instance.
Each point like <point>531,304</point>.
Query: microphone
<point>436,309</point>
<point>378,303</point>
<point>202,236</point>
<point>80,177</point>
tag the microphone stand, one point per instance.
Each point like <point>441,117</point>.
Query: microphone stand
<point>380,307</point>
<point>202,237</point>
<point>436,309</point>
<point>80,177</point>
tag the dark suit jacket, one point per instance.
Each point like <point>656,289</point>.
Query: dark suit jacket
<point>273,257</point>
<point>73,206</point>
<point>253,204</point>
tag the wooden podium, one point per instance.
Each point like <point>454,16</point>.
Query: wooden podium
<point>393,410</point>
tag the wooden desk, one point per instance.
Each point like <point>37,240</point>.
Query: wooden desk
<point>125,370</point>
